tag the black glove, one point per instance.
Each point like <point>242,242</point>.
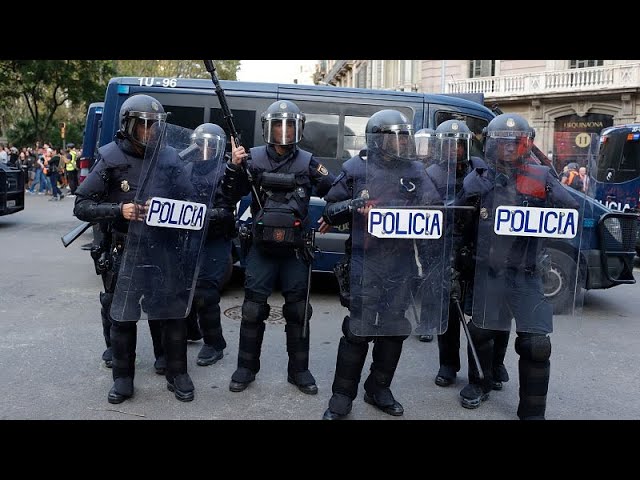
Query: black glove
<point>455,291</point>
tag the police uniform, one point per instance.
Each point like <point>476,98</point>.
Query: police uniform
<point>284,184</point>
<point>384,275</point>
<point>464,233</point>
<point>112,183</point>
<point>516,259</point>
<point>204,316</point>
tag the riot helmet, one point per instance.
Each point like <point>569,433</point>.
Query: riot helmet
<point>426,150</point>
<point>458,131</point>
<point>508,139</point>
<point>390,135</point>
<point>137,114</point>
<point>282,123</point>
<point>211,139</point>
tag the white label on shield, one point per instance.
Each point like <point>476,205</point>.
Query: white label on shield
<point>169,213</point>
<point>405,223</point>
<point>11,203</point>
<point>536,222</point>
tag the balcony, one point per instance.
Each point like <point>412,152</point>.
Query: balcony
<point>339,68</point>
<point>578,80</point>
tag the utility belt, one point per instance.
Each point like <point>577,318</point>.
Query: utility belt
<point>106,257</point>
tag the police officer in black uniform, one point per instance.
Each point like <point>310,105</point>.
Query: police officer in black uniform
<point>216,251</point>
<point>385,172</point>
<point>282,175</point>
<point>107,196</point>
<point>510,266</point>
<point>464,244</point>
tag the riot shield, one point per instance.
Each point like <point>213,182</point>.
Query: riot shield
<point>530,236</point>
<point>160,264</point>
<point>400,272</point>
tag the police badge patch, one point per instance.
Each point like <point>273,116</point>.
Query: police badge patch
<point>322,170</point>
<point>124,186</point>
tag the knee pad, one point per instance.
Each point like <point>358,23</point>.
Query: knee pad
<point>253,312</point>
<point>293,312</point>
<point>533,347</point>
<point>349,336</point>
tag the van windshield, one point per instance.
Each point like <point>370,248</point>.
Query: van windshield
<point>620,155</point>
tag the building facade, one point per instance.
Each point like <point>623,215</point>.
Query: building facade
<point>566,101</point>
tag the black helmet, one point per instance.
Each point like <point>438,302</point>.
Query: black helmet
<point>508,137</point>
<point>139,110</point>
<point>211,139</point>
<point>456,130</point>
<point>276,116</point>
<point>426,144</point>
<point>390,134</point>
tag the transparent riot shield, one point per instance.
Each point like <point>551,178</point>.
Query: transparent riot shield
<point>160,264</point>
<point>529,265</point>
<point>400,271</point>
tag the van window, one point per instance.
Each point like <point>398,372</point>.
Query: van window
<point>321,136</point>
<point>475,124</point>
<point>243,120</point>
<point>354,134</point>
<point>187,117</point>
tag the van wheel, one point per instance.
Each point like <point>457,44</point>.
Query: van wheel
<point>558,281</point>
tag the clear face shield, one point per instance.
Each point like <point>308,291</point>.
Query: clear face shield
<point>283,128</point>
<point>397,142</point>
<point>426,147</point>
<point>211,146</point>
<point>504,148</point>
<point>138,126</point>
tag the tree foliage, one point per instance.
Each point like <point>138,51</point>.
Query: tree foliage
<point>47,92</point>
<point>37,95</point>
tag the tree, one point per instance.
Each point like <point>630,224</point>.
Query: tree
<point>226,69</point>
<point>36,89</point>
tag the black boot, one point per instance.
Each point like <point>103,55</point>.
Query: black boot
<point>208,355</point>
<point>107,357</point>
<point>349,363</point>
<point>182,387</point>
<point>122,390</point>
<point>386,355</point>
<point>477,391</point>
<point>298,372</point>
<point>339,407</point>
<point>252,327</point>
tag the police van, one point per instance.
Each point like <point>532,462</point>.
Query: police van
<point>11,189</point>
<point>90,138</point>
<point>335,122</point>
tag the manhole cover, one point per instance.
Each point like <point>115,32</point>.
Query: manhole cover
<point>235,313</point>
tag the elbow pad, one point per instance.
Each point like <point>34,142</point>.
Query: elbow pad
<point>337,213</point>
<point>93,212</point>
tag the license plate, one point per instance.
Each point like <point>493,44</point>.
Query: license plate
<point>11,203</point>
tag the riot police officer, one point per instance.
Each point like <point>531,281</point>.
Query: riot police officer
<point>380,268</point>
<point>107,196</point>
<point>216,251</point>
<point>280,177</point>
<point>463,247</point>
<point>508,277</point>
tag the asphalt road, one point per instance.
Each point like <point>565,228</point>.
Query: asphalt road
<point>51,343</point>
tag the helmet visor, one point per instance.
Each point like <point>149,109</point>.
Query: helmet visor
<point>138,125</point>
<point>283,128</point>
<point>397,141</point>
<point>212,146</point>
<point>425,146</point>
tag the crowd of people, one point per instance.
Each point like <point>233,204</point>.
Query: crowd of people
<point>46,168</point>
<point>390,171</point>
